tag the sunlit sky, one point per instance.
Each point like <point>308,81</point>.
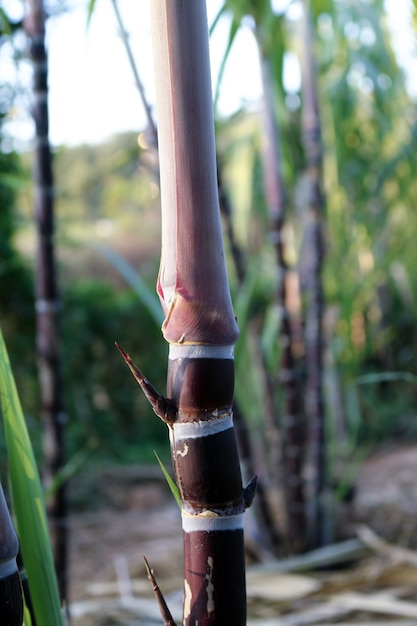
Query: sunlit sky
<point>92,91</point>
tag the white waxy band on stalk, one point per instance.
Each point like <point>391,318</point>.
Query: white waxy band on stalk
<point>8,567</point>
<point>178,351</point>
<point>195,523</point>
<point>195,430</point>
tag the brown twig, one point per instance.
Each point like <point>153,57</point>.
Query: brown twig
<point>165,612</point>
<point>153,134</point>
<point>47,304</point>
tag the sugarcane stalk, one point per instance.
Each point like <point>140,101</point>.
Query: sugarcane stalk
<point>11,596</point>
<point>199,325</point>
<point>267,537</point>
<point>313,292</point>
<point>291,422</point>
<point>47,301</point>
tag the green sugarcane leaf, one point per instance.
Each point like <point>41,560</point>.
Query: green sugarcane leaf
<point>28,502</point>
<point>216,19</point>
<point>70,468</point>
<point>386,377</point>
<point>148,298</point>
<point>90,11</point>
<point>172,485</point>
<point>234,27</point>
<point>27,620</point>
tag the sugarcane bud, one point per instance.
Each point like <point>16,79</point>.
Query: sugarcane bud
<point>11,598</point>
<point>248,492</point>
<point>164,408</point>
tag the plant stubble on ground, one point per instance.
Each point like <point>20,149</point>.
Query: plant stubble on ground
<point>134,514</point>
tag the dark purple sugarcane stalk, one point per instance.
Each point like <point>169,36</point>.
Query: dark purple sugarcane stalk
<point>11,595</point>
<point>313,291</point>
<point>291,421</point>
<point>200,325</point>
<point>47,302</point>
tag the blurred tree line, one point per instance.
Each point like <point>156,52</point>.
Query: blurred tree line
<point>369,140</point>
<point>108,195</point>
<point>368,136</point>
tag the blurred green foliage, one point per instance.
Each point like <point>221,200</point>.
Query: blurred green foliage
<point>17,315</point>
<point>106,409</point>
<point>369,138</point>
<point>105,405</point>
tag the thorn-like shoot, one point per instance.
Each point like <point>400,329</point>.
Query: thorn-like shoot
<point>249,491</point>
<point>165,612</point>
<point>163,407</point>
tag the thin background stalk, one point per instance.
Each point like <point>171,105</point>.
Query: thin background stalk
<point>28,503</point>
<point>290,420</point>
<point>47,302</point>
<point>152,132</point>
<point>313,293</point>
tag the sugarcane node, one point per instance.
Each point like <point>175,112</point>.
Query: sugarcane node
<point>248,492</point>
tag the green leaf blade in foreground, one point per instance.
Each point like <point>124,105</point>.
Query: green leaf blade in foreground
<point>172,485</point>
<point>28,502</point>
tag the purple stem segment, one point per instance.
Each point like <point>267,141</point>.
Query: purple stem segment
<point>200,325</point>
<point>192,283</point>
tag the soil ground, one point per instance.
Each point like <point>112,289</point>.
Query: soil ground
<point>138,516</point>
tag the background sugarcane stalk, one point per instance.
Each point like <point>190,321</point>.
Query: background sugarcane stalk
<point>264,535</point>
<point>312,288</point>
<point>226,211</point>
<point>11,597</point>
<point>47,304</point>
<point>199,325</point>
<point>290,422</point>
<point>266,532</point>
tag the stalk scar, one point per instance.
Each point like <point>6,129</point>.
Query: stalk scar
<point>163,407</point>
<point>163,607</point>
<point>210,585</point>
<point>188,596</point>
<point>183,452</point>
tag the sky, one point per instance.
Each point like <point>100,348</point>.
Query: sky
<point>99,91</point>
<point>92,94</point>
<point>92,91</point>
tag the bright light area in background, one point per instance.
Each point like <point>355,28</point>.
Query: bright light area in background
<point>405,39</point>
<point>92,94</point>
<point>92,91</point>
